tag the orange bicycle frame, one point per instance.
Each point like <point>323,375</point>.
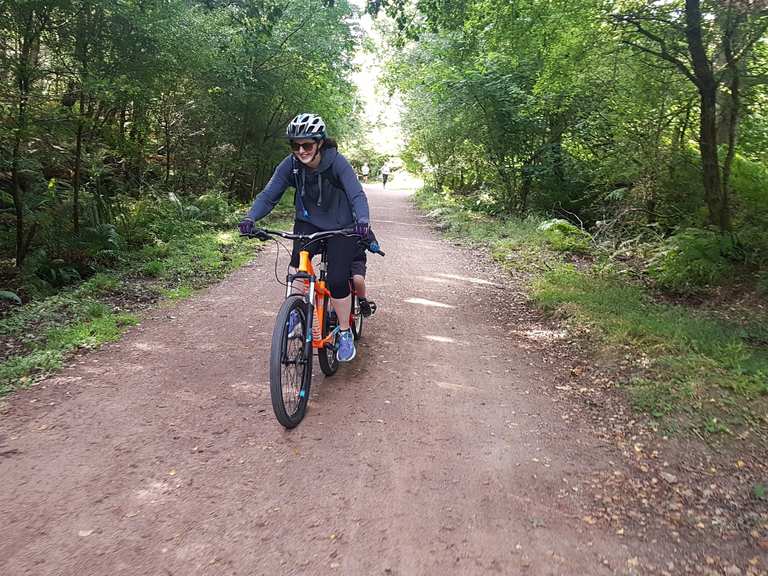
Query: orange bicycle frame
<point>320,292</point>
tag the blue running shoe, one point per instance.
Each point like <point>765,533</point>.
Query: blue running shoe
<point>294,325</point>
<point>346,351</point>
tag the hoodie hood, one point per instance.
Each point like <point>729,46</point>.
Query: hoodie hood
<point>328,157</point>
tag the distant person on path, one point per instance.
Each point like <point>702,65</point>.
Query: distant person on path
<point>328,196</point>
<point>365,171</point>
<point>385,174</point>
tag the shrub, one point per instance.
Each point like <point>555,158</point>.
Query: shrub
<point>762,283</point>
<point>100,283</point>
<point>153,268</point>
<point>213,207</point>
<point>54,271</point>
<point>691,259</point>
<point>565,237</point>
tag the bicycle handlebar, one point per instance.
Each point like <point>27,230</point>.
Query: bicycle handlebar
<point>372,247</point>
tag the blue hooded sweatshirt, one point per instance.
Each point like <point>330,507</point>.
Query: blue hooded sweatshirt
<point>328,197</point>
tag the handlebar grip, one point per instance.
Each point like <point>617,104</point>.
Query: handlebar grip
<point>375,248</point>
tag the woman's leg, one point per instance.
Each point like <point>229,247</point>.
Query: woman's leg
<point>343,308</point>
<point>359,283</point>
<point>341,251</point>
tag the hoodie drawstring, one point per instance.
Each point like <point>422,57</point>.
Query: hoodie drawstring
<point>303,187</point>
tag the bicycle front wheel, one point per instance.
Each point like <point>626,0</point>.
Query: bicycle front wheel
<point>290,362</point>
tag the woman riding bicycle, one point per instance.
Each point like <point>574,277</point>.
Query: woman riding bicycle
<point>328,196</point>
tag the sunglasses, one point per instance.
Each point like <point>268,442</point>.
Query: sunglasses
<point>305,146</point>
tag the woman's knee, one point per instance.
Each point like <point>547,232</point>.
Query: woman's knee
<point>339,286</point>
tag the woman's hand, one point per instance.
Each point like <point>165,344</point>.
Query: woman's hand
<point>246,226</point>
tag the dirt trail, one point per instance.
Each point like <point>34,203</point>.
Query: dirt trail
<point>435,452</point>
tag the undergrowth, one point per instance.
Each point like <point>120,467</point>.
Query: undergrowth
<point>172,261</point>
<point>687,367</point>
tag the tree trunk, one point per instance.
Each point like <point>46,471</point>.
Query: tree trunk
<point>167,133</point>
<point>734,103</point>
<point>707,86</point>
<point>525,189</point>
<point>708,149</point>
<point>78,165</point>
<point>24,85</point>
<point>18,192</point>
<point>555,141</point>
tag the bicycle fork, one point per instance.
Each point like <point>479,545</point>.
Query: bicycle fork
<point>309,299</point>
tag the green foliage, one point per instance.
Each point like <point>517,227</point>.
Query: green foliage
<point>214,208</point>
<point>691,259</point>
<point>178,293</point>
<point>750,188</point>
<point>540,107</point>
<point>100,283</point>
<point>690,352</point>
<point>61,324</point>
<point>153,268</point>
<point>51,328</point>
<point>9,296</point>
<point>682,360</point>
<point>762,283</point>
<point>565,237</point>
<point>56,271</point>
<point>178,112</point>
<point>16,371</point>
<point>102,327</point>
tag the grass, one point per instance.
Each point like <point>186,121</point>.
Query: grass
<point>696,364</point>
<point>88,324</point>
<point>687,367</point>
<point>41,335</point>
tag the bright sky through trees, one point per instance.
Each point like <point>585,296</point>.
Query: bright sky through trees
<point>382,112</point>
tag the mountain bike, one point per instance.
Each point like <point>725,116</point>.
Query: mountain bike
<point>306,322</point>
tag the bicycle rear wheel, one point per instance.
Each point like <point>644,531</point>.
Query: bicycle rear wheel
<point>356,318</point>
<point>327,355</point>
<point>290,363</point>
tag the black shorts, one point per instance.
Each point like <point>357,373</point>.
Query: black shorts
<point>342,250</point>
<point>359,265</point>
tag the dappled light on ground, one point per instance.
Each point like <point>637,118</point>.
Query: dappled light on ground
<point>443,339</point>
<point>453,386</point>
<point>417,240</point>
<point>542,334</point>
<point>399,223</point>
<point>425,302</point>
<point>436,280</point>
<point>470,280</point>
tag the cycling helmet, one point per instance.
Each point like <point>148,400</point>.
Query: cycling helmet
<point>306,126</point>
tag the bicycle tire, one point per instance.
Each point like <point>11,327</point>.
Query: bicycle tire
<point>326,356</point>
<point>290,364</point>
<point>356,318</point>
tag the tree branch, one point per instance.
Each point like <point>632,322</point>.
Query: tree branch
<point>283,42</point>
<point>664,56</point>
<point>663,52</point>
